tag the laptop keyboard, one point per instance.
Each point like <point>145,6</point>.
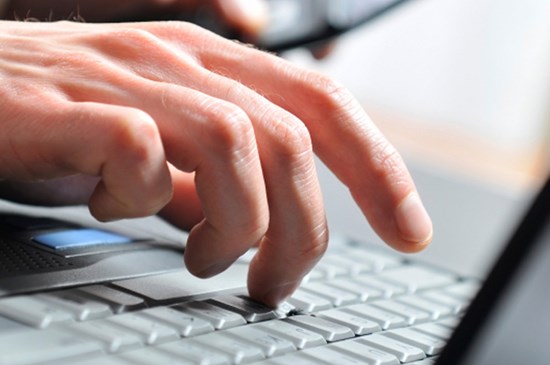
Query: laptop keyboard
<point>358,306</point>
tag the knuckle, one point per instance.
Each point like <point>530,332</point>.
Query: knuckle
<point>136,135</point>
<point>292,138</point>
<point>229,128</point>
<point>327,92</point>
<point>135,141</point>
<point>127,47</point>
<point>387,163</point>
<point>321,84</point>
<point>179,29</point>
<point>136,37</point>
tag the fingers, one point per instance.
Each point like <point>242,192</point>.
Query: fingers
<point>297,233</point>
<point>119,144</point>
<point>254,166</point>
<point>229,182</point>
<point>215,139</point>
<point>254,175</point>
<point>345,139</point>
<point>244,123</point>
<point>274,184</point>
<point>342,135</point>
<point>255,178</point>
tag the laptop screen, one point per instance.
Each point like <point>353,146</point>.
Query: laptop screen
<point>518,331</point>
<point>509,323</point>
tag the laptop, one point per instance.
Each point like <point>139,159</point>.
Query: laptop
<point>73,291</point>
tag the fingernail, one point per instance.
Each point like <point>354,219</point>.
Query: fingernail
<point>413,221</point>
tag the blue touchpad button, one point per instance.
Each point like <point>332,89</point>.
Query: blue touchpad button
<point>80,238</point>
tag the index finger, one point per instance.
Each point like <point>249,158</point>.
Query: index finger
<point>345,139</point>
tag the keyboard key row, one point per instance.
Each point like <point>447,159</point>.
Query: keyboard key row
<point>227,311</point>
<point>374,349</point>
<point>127,333</point>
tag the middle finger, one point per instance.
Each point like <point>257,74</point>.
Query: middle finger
<point>297,233</point>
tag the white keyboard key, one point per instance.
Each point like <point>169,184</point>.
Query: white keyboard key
<point>250,310</point>
<point>9,326</point>
<point>368,353</point>
<point>388,290</point>
<point>284,308</point>
<point>301,338</point>
<point>437,311</point>
<point>466,290</point>
<point>337,297</point>
<point>186,324</point>
<point>430,345</point>
<point>362,291</point>
<point>151,332</point>
<point>119,301</point>
<point>376,259</point>
<point>449,322</point>
<point>196,352</point>
<point>359,325</point>
<point>238,351</point>
<point>270,344</point>
<point>219,318</point>
<point>330,270</point>
<point>434,330</point>
<point>457,305</point>
<point>82,308</point>
<point>38,347</point>
<point>385,319</point>
<point>351,266</point>
<point>329,330</point>
<point>113,338</point>
<point>308,302</point>
<point>314,275</point>
<point>416,278</point>
<point>167,287</point>
<point>403,351</point>
<point>412,315</point>
<point>92,360</point>
<point>294,359</point>
<point>332,356</point>
<point>151,355</point>
<point>33,311</point>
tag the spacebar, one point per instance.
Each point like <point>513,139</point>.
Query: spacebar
<point>182,285</point>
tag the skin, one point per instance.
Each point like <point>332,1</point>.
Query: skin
<point>218,138</point>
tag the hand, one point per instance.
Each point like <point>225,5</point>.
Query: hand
<point>217,137</point>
